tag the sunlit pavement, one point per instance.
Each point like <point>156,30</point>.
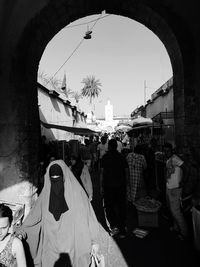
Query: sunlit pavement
<point>160,248</point>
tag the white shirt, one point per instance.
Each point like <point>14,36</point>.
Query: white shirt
<point>174,172</point>
<point>119,146</point>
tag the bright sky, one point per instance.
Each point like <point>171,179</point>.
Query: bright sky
<point>122,54</point>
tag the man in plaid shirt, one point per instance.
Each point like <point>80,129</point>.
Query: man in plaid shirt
<point>136,182</point>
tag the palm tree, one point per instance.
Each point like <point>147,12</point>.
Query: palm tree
<point>68,92</point>
<point>91,88</point>
<point>42,77</point>
<point>77,96</point>
<point>50,81</point>
<point>54,83</point>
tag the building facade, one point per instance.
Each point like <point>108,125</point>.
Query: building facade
<point>108,123</point>
<point>160,108</point>
<point>162,100</point>
<point>55,109</point>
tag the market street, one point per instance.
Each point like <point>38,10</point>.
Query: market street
<point>160,248</point>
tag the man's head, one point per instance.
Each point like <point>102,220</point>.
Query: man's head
<point>168,150</point>
<point>74,159</point>
<point>87,142</point>
<point>103,140</point>
<point>112,144</point>
<point>138,149</point>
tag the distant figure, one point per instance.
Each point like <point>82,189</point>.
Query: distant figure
<point>85,153</point>
<point>77,167</point>
<point>102,148</point>
<point>119,145</point>
<point>174,178</point>
<point>136,187</point>
<point>125,150</point>
<point>151,181</point>
<point>11,248</point>
<point>113,175</point>
<point>93,151</point>
<point>81,172</point>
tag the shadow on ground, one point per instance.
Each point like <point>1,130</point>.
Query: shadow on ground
<point>160,248</point>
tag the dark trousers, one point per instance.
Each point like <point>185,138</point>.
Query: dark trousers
<point>115,206</point>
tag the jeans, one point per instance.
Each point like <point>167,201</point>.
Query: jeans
<point>173,200</point>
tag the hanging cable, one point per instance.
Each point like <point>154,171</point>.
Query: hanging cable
<point>85,23</point>
<point>65,61</point>
<point>74,50</point>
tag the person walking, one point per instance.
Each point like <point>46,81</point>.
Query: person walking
<point>119,144</point>
<point>175,168</point>
<point>136,187</point>
<point>93,151</point>
<point>62,225</point>
<point>76,166</point>
<point>102,148</point>
<point>113,175</point>
<point>85,153</point>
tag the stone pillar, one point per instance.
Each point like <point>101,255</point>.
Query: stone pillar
<point>19,128</point>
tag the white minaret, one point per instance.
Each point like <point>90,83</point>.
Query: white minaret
<point>108,112</point>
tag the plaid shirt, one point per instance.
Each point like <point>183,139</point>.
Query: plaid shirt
<point>137,164</point>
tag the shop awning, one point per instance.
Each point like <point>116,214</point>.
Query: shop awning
<point>140,121</point>
<point>75,130</point>
<point>123,128</point>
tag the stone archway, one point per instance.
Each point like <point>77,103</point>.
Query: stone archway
<point>37,31</point>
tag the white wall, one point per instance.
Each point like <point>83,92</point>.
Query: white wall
<point>161,104</point>
<point>52,110</point>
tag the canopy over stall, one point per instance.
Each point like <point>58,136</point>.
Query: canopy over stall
<point>123,128</point>
<point>141,121</point>
<point>75,130</point>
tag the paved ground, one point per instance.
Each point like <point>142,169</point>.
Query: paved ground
<point>160,248</point>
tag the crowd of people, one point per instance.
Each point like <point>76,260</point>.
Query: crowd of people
<point>129,172</point>
<point>62,229</point>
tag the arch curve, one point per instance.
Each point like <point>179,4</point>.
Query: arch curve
<point>46,18</point>
<point>56,15</point>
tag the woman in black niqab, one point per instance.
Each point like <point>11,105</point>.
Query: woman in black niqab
<point>57,202</point>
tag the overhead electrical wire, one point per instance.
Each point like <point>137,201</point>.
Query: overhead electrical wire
<point>95,21</point>
<point>66,61</point>
<point>85,23</point>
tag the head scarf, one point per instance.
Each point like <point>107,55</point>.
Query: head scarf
<point>57,203</point>
<point>72,234</point>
